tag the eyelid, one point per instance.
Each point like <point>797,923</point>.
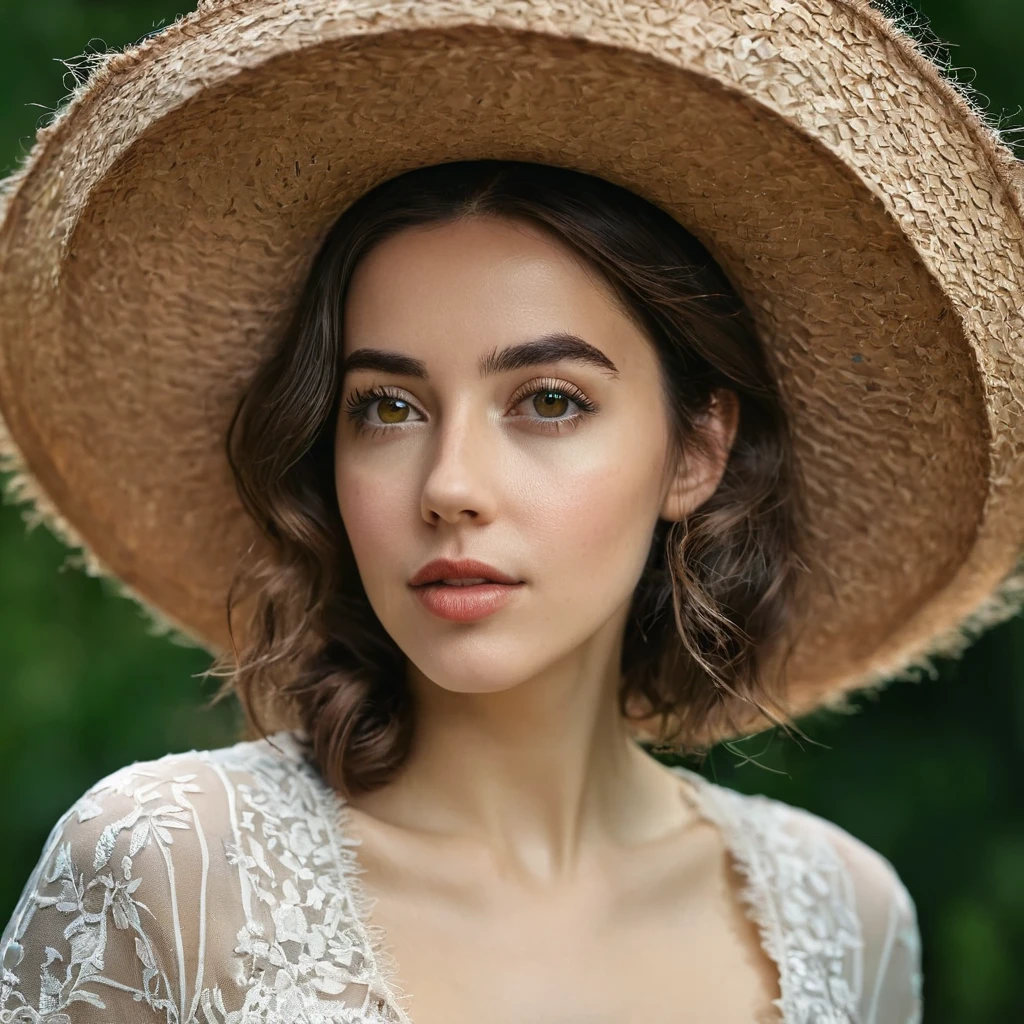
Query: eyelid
<point>526,389</point>
<point>552,384</point>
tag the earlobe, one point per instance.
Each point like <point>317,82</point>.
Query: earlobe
<point>697,477</point>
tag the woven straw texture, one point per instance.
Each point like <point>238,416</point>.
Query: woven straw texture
<point>154,242</point>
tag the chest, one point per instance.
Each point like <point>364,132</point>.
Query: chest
<point>671,947</point>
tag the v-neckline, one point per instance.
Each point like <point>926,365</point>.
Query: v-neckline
<point>385,969</point>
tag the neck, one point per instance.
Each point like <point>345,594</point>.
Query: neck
<point>542,773</point>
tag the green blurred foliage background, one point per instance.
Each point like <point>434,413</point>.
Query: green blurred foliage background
<point>929,773</point>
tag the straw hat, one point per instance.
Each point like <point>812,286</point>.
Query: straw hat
<point>154,242</point>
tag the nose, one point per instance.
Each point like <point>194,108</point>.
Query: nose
<point>463,469</point>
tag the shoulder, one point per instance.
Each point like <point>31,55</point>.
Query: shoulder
<point>878,885</point>
<point>120,906</point>
<point>876,879</point>
<point>179,792</point>
<point>885,909</point>
<point>144,817</point>
<point>770,826</point>
<point>815,878</point>
<point>889,947</point>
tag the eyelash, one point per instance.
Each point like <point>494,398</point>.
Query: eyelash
<point>359,401</point>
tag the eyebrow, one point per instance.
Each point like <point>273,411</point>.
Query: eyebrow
<point>551,348</point>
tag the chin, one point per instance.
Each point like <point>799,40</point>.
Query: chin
<point>464,674</point>
<point>474,686</point>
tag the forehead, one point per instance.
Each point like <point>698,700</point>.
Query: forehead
<point>486,277</point>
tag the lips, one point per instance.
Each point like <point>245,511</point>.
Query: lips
<point>455,571</point>
<point>469,603</point>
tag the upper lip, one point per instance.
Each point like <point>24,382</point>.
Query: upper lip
<point>456,569</point>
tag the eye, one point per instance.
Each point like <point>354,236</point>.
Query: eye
<point>393,409</point>
<point>549,400</point>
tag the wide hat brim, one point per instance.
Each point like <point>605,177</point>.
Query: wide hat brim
<point>154,243</point>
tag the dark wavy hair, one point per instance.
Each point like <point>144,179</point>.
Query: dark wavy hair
<point>719,590</point>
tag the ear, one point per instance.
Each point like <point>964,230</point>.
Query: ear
<point>697,477</point>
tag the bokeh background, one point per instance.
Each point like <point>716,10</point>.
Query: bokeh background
<point>929,773</point>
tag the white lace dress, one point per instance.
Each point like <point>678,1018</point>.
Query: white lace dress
<point>221,887</point>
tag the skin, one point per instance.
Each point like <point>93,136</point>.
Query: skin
<point>530,861</point>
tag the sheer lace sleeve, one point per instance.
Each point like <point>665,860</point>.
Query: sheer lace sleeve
<point>891,957</point>
<point>887,966</point>
<point>202,888</point>
<point>111,924</point>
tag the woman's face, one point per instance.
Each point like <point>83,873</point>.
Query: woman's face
<point>503,464</point>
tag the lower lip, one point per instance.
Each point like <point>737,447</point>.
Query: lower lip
<point>466,604</point>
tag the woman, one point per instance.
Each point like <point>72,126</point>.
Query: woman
<point>434,420</point>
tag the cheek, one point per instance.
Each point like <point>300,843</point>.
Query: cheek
<point>374,514</point>
<point>591,531</point>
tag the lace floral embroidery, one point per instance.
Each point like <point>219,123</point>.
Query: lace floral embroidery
<point>299,944</point>
<point>799,896</point>
<point>221,887</point>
